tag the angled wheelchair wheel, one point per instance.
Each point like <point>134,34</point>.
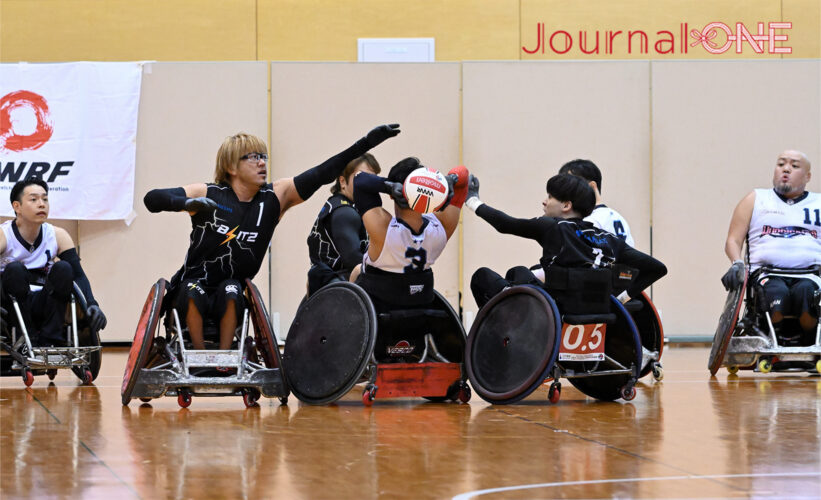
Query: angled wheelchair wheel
<point>263,332</point>
<point>513,344</point>
<point>726,326</point>
<point>623,345</point>
<point>86,338</point>
<point>330,343</point>
<point>651,333</point>
<point>143,338</point>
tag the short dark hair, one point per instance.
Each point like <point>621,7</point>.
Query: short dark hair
<point>572,188</point>
<point>585,169</point>
<point>353,165</point>
<point>401,170</point>
<point>17,189</point>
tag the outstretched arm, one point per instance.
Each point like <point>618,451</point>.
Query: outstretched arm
<point>294,190</point>
<point>526,228</point>
<point>191,198</point>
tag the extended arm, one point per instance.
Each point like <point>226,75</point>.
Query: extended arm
<point>294,190</point>
<point>650,269</point>
<point>526,228</point>
<point>191,198</point>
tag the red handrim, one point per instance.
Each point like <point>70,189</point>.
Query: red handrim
<point>262,328</point>
<point>147,326</point>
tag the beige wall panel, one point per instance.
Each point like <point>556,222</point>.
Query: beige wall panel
<point>717,130</point>
<point>522,121</point>
<point>318,110</point>
<point>311,30</point>
<point>124,30</point>
<point>186,110</point>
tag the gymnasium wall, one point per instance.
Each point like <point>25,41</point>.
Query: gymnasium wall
<point>327,30</point>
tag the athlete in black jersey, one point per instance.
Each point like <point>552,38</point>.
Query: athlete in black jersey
<point>567,241</point>
<point>233,221</point>
<point>338,238</point>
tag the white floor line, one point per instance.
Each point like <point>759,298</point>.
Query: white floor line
<point>473,494</point>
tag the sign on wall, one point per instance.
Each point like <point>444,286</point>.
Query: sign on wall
<point>75,126</point>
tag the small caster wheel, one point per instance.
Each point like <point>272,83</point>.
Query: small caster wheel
<point>369,395</point>
<point>554,393</point>
<point>628,393</point>
<point>283,401</point>
<point>51,373</point>
<point>184,399</point>
<point>658,372</point>
<point>818,366</point>
<point>249,397</point>
<point>464,394</point>
<point>28,377</point>
<point>88,378</point>
<point>732,370</point>
<point>145,400</point>
<point>764,366</point>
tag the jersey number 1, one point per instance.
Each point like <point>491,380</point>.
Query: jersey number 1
<point>817,217</point>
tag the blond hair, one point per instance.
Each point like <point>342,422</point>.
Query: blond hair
<point>230,152</point>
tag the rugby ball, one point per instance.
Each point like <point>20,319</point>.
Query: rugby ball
<point>426,190</point>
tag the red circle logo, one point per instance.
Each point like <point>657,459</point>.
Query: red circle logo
<point>25,105</point>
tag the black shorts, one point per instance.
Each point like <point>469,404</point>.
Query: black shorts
<point>787,295</point>
<point>210,302</point>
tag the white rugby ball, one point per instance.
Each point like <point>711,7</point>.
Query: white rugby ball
<point>426,190</point>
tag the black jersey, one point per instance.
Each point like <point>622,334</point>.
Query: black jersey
<point>338,237</point>
<point>577,243</point>
<point>229,243</point>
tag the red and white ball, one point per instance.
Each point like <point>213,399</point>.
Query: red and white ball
<point>426,190</point>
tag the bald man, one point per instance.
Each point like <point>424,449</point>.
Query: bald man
<point>782,226</point>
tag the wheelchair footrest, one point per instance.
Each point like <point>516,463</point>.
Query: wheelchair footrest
<point>212,358</point>
<point>156,383</point>
<point>396,380</point>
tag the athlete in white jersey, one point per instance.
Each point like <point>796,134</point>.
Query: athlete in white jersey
<point>603,217</point>
<point>783,229</point>
<point>396,267</point>
<point>28,248</point>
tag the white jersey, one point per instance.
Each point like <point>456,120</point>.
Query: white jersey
<point>405,251</point>
<point>604,217</point>
<point>33,256</point>
<point>785,233</point>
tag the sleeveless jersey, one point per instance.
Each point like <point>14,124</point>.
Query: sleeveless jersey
<point>229,243</point>
<point>407,252</point>
<point>785,233</point>
<point>34,256</point>
<point>321,248</point>
<point>604,217</point>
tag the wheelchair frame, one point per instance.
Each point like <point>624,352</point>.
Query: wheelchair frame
<point>84,361</point>
<point>168,363</point>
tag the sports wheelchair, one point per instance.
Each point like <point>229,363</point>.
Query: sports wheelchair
<point>81,353</point>
<point>520,338</point>
<point>748,341</point>
<point>339,338</point>
<point>162,366</point>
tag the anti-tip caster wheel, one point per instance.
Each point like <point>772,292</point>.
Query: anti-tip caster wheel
<point>628,393</point>
<point>51,373</point>
<point>145,400</point>
<point>765,366</point>
<point>250,397</point>
<point>184,399</point>
<point>554,393</point>
<point>732,370</point>
<point>28,377</point>
<point>464,394</point>
<point>658,372</point>
<point>369,395</point>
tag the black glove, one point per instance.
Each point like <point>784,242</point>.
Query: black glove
<point>382,133</point>
<point>473,187</point>
<point>397,192</point>
<point>734,276</point>
<point>96,318</point>
<point>202,204</point>
<point>452,180</point>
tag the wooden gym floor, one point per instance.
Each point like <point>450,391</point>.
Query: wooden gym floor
<point>689,436</point>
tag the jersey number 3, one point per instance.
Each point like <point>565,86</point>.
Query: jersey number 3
<point>418,257</point>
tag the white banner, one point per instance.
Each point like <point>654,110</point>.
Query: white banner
<point>75,126</point>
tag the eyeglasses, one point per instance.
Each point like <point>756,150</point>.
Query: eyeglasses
<point>255,157</point>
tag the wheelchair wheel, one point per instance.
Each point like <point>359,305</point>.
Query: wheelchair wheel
<point>143,338</point>
<point>726,326</point>
<point>263,333</point>
<point>513,344</point>
<point>87,338</point>
<point>622,344</point>
<point>330,343</point>
<point>650,330</point>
